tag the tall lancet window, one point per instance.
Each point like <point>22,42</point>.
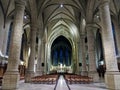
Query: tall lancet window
<point>114,36</point>
<point>61,56</point>
<point>55,58</point>
<point>8,40</point>
<point>67,58</point>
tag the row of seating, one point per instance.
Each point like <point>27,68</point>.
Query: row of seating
<point>45,79</point>
<point>70,79</point>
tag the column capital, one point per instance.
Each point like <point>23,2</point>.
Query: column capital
<point>82,36</point>
<point>78,42</point>
<point>43,41</point>
<point>40,34</point>
<point>20,2</point>
<point>103,3</point>
<point>91,25</point>
<point>34,26</point>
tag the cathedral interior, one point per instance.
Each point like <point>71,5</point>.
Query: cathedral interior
<point>47,38</point>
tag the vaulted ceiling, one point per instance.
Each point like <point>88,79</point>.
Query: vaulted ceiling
<point>61,13</point>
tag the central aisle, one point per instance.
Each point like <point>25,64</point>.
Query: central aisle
<point>61,85</point>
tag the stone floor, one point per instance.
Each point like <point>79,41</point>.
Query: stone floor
<point>61,85</point>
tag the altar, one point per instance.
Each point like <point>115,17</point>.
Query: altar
<point>61,69</point>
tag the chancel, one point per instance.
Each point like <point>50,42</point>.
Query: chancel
<point>61,52</point>
<point>59,44</point>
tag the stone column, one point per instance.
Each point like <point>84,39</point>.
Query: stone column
<point>47,58</point>
<point>33,34</point>
<point>78,58</point>
<point>38,69</point>
<point>11,77</point>
<point>91,53</point>
<point>117,33</point>
<point>30,70</point>
<point>112,76</point>
<point>43,57</point>
<point>1,31</point>
<point>40,66</point>
<point>84,67</point>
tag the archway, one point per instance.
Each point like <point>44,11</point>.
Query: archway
<point>61,54</point>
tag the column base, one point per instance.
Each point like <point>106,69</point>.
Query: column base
<point>10,80</point>
<point>28,76</point>
<point>94,75</point>
<point>84,73</point>
<point>38,73</point>
<point>112,80</point>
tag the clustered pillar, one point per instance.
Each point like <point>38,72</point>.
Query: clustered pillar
<point>11,77</point>
<point>112,76</point>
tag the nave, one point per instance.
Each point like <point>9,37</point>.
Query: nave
<point>61,85</point>
<point>41,37</point>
